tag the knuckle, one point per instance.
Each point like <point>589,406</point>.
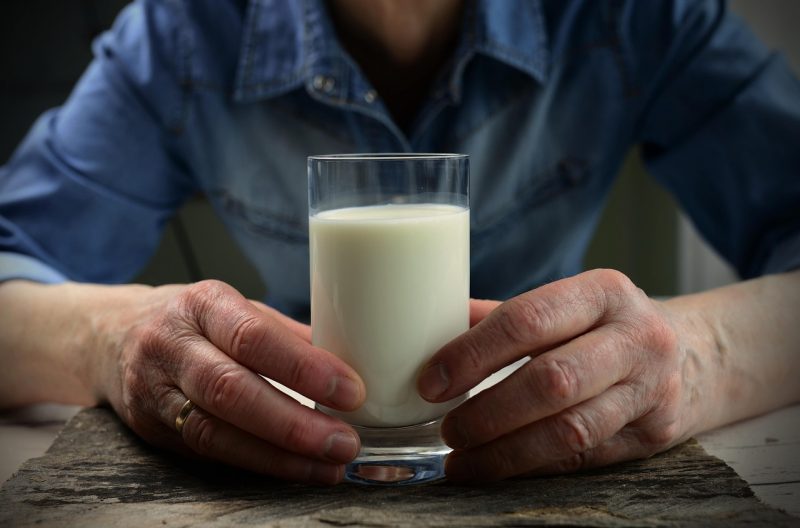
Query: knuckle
<point>227,388</point>
<point>574,432</point>
<point>301,370</point>
<point>661,437</point>
<point>617,290</point>
<point>196,296</point>
<point>557,382</point>
<point>209,289</point>
<point>574,463</point>
<point>201,434</point>
<point>244,337</point>
<point>298,432</point>
<point>526,318</point>
<point>649,333</point>
<point>614,280</point>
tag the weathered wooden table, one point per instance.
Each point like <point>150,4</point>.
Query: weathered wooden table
<point>98,474</point>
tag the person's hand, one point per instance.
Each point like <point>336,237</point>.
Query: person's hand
<point>206,343</point>
<point>607,381</point>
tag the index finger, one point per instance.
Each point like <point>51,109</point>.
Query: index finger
<point>260,342</point>
<point>303,331</point>
<point>528,324</point>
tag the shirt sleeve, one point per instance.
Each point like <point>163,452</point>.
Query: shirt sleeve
<point>87,193</point>
<point>720,128</point>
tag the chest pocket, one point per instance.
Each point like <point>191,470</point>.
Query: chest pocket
<point>282,225</point>
<point>262,181</point>
<point>507,211</point>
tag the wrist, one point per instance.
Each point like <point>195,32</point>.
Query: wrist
<point>703,367</point>
<point>61,342</point>
<point>747,337</point>
<point>44,344</point>
<point>107,316</point>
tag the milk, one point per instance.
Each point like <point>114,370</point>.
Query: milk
<point>389,287</point>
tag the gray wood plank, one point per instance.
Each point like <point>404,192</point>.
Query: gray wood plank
<point>768,464</point>
<point>784,496</point>
<point>765,451</point>
<point>98,474</point>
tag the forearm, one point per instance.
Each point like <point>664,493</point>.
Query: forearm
<point>50,340</point>
<point>742,348</point>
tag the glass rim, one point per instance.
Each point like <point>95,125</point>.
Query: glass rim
<point>389,156</point>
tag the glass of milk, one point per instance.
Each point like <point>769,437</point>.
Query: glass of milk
<point>389,244</point>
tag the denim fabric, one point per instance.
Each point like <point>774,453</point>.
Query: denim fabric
<point>228,98</point>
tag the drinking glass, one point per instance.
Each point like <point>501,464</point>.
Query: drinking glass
<point>389,246</point>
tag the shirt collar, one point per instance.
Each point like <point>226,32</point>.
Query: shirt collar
<point>513,32</point>
<point>286,45</point>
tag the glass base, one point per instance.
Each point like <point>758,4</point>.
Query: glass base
<point>398,456</point>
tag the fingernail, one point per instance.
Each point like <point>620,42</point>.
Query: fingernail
<point>453,433</point>
<point>433,381</point>
<point>344,393</point>
<point>326,474</point>
<point>458,467</point>
<point>341,447</point>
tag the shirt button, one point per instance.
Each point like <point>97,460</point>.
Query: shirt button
<point>370,96</point>
<point>324,83</point>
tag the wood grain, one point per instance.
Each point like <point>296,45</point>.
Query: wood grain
<point>98,474</point>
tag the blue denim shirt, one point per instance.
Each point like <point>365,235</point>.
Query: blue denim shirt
<point>228,98</point>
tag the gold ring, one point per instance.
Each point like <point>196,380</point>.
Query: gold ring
<point>183,414</point>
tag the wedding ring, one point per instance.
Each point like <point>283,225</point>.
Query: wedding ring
<point>183,414</point>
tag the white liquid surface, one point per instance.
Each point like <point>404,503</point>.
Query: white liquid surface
<point>389,287</point>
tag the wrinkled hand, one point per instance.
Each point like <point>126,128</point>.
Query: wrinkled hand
<point>605,382</point>
<point>207,343</point>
